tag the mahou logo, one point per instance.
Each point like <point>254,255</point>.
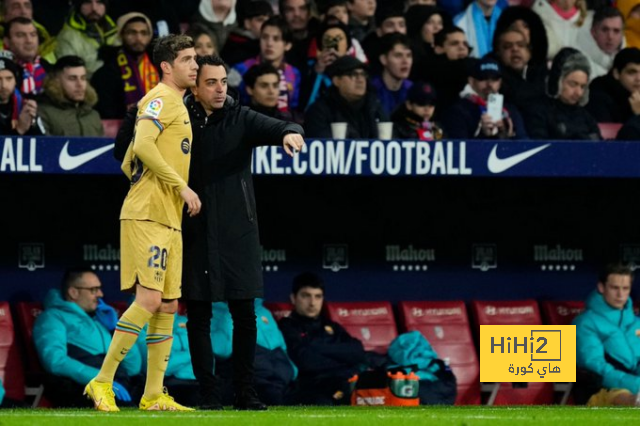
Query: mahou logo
<point>101,258</point>
<point>557,258</point>
<point>272,259</point>
<point>409,258</point>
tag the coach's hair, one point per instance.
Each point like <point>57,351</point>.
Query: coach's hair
<point>616,268</point>
<point>211,60</point>
<point>167,48</point>
<point>72,276</point>
<point>306,279</point>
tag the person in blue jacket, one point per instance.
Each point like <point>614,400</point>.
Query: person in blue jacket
<point>608,341</point>
<point>274,370</point>
<point>72,336</point>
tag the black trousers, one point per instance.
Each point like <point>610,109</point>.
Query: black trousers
<point>244,345</point>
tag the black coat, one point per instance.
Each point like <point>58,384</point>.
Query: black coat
<point>609,100</point>
<point>524,90</point>
<point>551,119</point>
<point>462,119</point>
<point>222,255</point>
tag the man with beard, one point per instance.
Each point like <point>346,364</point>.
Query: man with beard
<point>87,29</point>
<point>128,73</point>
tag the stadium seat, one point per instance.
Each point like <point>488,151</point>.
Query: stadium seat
<point>111,127</point>
<point>372,323</point>
<point>279,310</point>
<point>446,326</point>
<point>609,131</point>
<point>11,371</point>
<point>513,312</point>
<point>561,312</point>
<point>27,312</point>
<point>120,306</point>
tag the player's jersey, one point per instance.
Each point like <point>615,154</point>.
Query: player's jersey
<point>157,162</point>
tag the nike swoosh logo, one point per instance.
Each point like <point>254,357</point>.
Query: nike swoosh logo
<point>499,165</point>
<point>70,162</point>
<point>186,122</point>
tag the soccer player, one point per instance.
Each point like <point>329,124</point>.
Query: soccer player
<point>157,162</point>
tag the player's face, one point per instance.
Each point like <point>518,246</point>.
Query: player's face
<point>616,290</point>
<point>185,69</point>
<point>265,91</point>
<point>308,301</point>
<point>7,85</point>
<point>86,292</point>
<point>211,90</point>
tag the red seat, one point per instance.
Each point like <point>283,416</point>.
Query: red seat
<point>561,313</point>
<point>609,131</point>
<point>111,127</point>
<point>120,306</point>
<point>279,310</point>
<point>372,323</point>
<point>446,326</point>
<point>27,314</point>
<point>11,371</point>
<point>513,312</point>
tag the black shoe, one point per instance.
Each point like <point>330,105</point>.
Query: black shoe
<point>210,401</point>
<point>248,400</point>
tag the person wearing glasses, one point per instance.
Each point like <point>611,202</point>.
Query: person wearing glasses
<point>72,336</point>
<point>350,100</point>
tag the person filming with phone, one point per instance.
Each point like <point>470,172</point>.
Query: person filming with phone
<point>481,113</point>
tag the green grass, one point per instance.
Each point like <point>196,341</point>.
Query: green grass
<point>348,416</point>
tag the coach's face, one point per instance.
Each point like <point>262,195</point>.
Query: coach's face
<point>211,88</point>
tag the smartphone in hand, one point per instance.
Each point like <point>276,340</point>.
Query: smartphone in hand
<point>494,106</point>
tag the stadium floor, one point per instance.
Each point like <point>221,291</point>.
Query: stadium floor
<point>351,416</point>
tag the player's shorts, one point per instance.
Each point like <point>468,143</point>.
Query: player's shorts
<point>151,255</point>
<point>605,397</point>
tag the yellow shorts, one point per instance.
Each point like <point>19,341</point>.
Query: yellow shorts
<point>605,397</point>
<point>151,255</point>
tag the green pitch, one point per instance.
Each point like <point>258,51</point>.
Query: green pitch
<point>348,416</point>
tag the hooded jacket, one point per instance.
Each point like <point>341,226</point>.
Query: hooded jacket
<point>608,344</point>
<point>609,101</point>
<point>62,117</point>
<point>64,335</point>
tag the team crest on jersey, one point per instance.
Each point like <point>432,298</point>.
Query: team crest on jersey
<point>186,146</point>
<point>154,108</point>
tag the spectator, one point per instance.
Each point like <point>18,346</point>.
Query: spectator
<point>479,23</point>
<point>361,18</point>
<point>87,29</point>
<point>21,39</point>
<point>528,22</point>
<point>23,8</point>
<point>347,100</point>
<point>301,20</point>
<point>336,8</point>
<point>449,70</point>
<point>326,355</point>
<point>604,41</point>
<point>389,19</point>
<point>410,3</point>
<point>204,40</point>
<point>275,40</point>
<point>607,344</point>
<point>219,16</point>
<point>523,81</point>
<point>67,107</point>
<point>275,372</point>
<point>396,59</point>
<point>71,337</point>
<point>563,20</point>
<point>413,119</point>
<point>561,115</point>
<point>244,41</point>
<point>615,97</point>
<point>128,73</point>
<point>468,118</point>
<point>630,10</point>
<point>18,115</point>
<point>162,13</point>
<point>423,23</point>
<point>262,83</point>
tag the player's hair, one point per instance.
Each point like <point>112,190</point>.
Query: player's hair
<point>256,71</point>
<point>306,279</point>
<point>18,20</point>
<point>616,268</point>
<point>211,60</point>
<point>167,48</point>
<point>72,276</point>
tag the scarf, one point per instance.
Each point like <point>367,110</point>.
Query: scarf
<point>138,78</point>
<point>33,74</point>
<point>16,107</point>
<point>565,14</point>
<point>484,29</point>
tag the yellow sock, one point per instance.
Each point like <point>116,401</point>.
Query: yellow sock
<point>159,341</point>
<point>124,337</point>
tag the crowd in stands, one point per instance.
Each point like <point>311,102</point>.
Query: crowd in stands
<point>562,66</point>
